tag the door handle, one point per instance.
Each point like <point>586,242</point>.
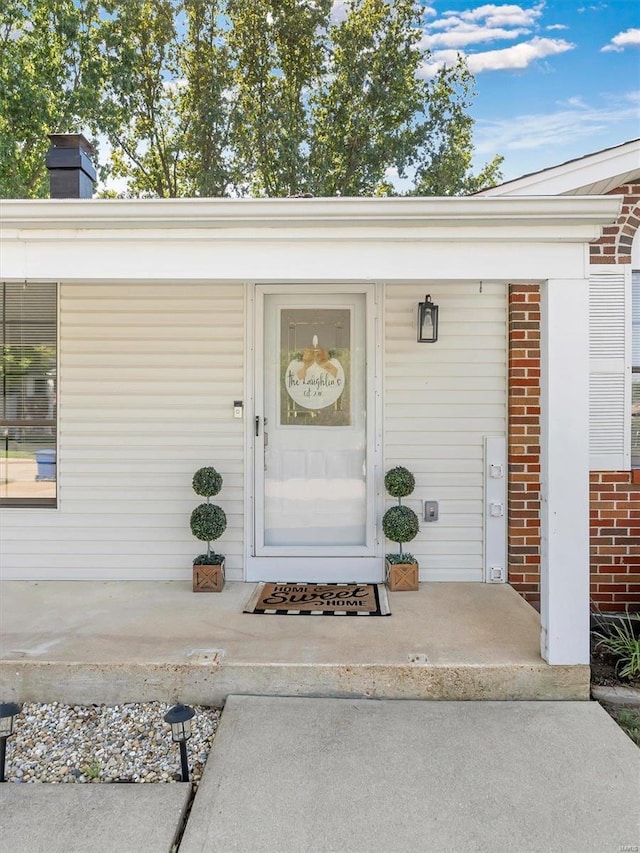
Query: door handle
<point>257,425</point>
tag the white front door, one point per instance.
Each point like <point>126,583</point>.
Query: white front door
<point>314,435</point>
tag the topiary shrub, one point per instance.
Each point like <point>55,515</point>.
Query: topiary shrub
<point>400,523</point>
<point>208,521</point>
<point>399,482</point>
<point>207,482</point>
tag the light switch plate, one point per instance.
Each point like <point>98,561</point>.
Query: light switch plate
<point>431,510</point>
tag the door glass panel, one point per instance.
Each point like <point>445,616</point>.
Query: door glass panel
<point>315,421</point>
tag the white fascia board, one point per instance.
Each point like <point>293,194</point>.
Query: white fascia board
<point>458,218</point>
<point>289,260</point>
<point>575,176</point>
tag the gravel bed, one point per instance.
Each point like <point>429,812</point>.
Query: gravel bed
<point>102,743</point>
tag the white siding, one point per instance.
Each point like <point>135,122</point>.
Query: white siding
<point>440,401</point>
<point>148,376</point>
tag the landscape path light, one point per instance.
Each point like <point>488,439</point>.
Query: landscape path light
<point>179,718</point>
<point>8,713</point>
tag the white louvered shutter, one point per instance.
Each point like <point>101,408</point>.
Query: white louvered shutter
<point>635,366</point>
<point>610,368</point>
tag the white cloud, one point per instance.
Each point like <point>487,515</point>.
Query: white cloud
<point>339,11</point>
<point>572,120</point>
<point>516,57</point>
<point>628,38</point>
<point>597,7</point>
<point>557,27</point>
<point>493,15</point>
<point>519,56</point>
<point>486,23</point>
<point>465,34</point>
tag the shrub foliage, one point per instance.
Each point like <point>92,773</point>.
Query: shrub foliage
<point>623,641</point>
<point>400,523</point>
<point>207,482</point>
<point>399,482</point>
<point>208,521</point>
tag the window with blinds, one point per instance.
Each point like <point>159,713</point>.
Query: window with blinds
<point>28,367</point>
<point>635,369</point>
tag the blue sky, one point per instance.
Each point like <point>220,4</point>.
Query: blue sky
<point>555,80</point>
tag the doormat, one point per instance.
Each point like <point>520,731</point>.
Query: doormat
<point>319,599</point>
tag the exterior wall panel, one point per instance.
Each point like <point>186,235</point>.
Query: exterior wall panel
<point>148,375</point>
<point>440,401</point>
<point>147,382</point>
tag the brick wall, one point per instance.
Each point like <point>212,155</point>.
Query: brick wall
<point>523,490</point>
<point>614,495</point>
<point>615,539</point>
<point>614,247</point>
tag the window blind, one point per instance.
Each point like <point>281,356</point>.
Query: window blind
<point>28,382</point>
<point>28,339</point>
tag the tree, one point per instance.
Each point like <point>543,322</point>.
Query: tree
<point>50,72</point>
<point>278,51</point>
<point>165,109</point>
<point>367,112</point>
<point>237,97</point>
<point>140,111</point>
<point>444,143</point>
<point>208,71</point>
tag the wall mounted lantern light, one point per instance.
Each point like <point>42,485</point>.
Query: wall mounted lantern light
<point>427,321</point>
<point>8,713</point>
<point>180,719</point>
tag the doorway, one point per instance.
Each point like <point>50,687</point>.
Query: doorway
<point>315,441</point>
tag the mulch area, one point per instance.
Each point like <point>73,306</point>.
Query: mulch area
<point>603,670</point>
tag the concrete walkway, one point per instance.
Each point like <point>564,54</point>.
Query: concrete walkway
<point>91,818</point>
<point>294,775</point>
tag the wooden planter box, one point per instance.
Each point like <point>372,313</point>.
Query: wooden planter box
<point>401,577</point>
<point>208,578</point>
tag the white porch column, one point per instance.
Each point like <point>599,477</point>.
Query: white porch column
<point>564,451</point>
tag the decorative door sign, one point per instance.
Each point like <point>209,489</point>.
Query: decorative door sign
<point>315,362</point>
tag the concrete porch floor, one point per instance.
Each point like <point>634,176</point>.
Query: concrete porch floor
<point>111,642</point>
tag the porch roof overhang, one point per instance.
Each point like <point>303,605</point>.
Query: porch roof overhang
<point>593,174</point>
<point>568,218</point>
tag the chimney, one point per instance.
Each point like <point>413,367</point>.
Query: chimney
<point>71,172</point>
